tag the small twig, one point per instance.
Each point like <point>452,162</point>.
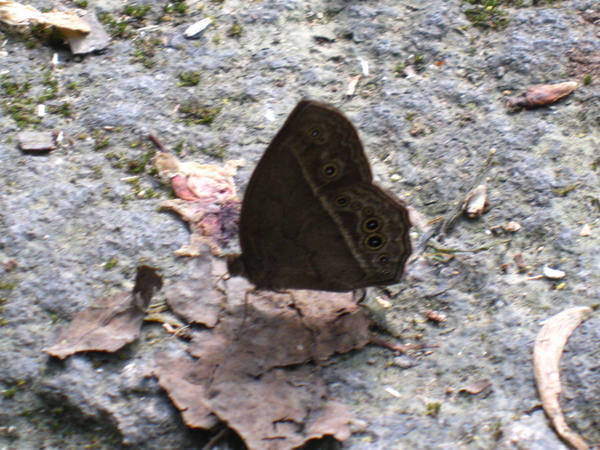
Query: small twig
<point>157,143</point>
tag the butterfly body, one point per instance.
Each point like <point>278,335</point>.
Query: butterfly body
<point>311,216</point>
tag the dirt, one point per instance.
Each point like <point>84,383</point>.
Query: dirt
<point>78,220</point>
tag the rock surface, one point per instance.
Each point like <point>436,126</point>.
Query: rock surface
<point>75,222</point>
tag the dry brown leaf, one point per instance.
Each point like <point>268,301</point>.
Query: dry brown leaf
<point>543,94</point>
<point>547,352</point>
<point>280,410</point>
<point>304,324</point>
<point>185,381</point>
<point>112,322</point>
<point>196,300</point>
<point>250,372</point>
<point>206,199</point>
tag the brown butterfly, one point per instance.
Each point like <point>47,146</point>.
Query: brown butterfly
<point>311,216</point>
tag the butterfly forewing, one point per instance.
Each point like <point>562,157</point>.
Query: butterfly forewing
<point>311,217</point>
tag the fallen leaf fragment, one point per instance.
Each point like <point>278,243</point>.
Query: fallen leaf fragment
<point>37,141</point>
<point>476,387</point>
<point>196,300</point>
<point>586,230</point>
<point>112,322</point>
<point>250,372</point>
<point>476,202</point>
<point>194,30</point>
<point>435,316</point>
<point>280,410</point>
<point>553,274</point>
<point>520,261</point>
<point>206,199</point>
<point>305,325</point>
<point>17,14</point>
<point>543,94</point>
<point>547,352</point>
<point>352,85</point>
<point>84,34</point>
<point>512,227</point>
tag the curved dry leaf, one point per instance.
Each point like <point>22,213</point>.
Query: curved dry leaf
<point>543,94</point>
<point>547,352</point>
<point>476,202</point>
<point>112,322</point>
<point>476,387</point>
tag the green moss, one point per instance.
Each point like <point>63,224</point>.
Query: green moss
<point>399,69</point>
<point>189,78</point>
<point>145,51</point>
<point>176,6</point>
<point>136,11</point>
<point>102,140</point>
<point>195,113</point>
<point>178,148</point>
<point>235,30</point>
<point>81,3</point>
<point>217,151</point>
<point>10,392</point>
<point>588,79</point>
<point>73,87</point>
<point>118,29</point>
<point>139,165</point>
<point>433,409</point>
<point>487,14</point>
<point>63,109</point>
<point>16,102</point>
<point>112,262</point>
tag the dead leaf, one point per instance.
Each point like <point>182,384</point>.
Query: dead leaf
<point>112,322</point>
<point>547,352</point>
<point>252,370</point>
<point>586,230</point>
<point>196,300</point>
<point>352,84</point>
<point>280,410</point>
<point>17,15</point>
<point>542,94</point>
<point>305,325</point>
<point>476,202</point>
<point>476,387</point>
<point>185,381</point>
<point>206,200</point>
<point>434,316</point>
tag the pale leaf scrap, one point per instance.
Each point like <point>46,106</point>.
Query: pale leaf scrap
<point>547,352</point>
<point>17,14</point>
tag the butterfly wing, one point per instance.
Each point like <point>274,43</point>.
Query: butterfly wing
<point>294,230</point>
